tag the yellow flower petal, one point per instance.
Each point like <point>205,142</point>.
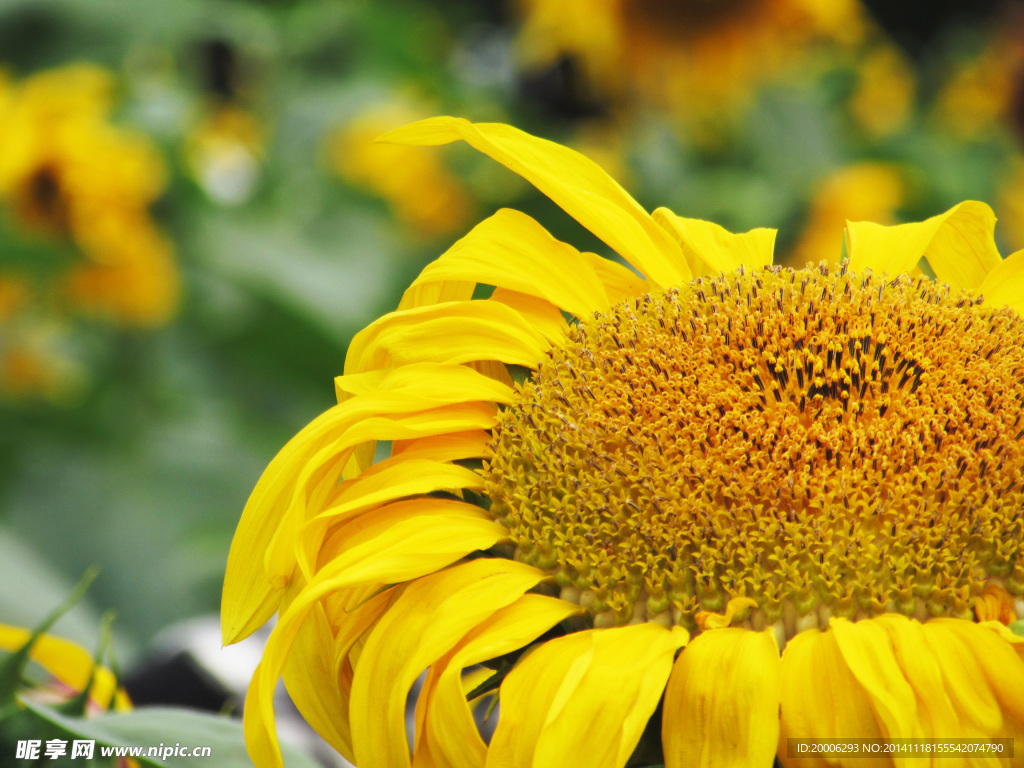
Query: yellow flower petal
<point>583,699</point>
<point>984,677</point>
<point>995,604</point>
<point>722,701</point>
<point>367,527</point>
<point>1004,285</point>
<point>511,250</point>
<point>574,182</point>
<point>868,652</point>
<point>457,417</point>
<point>458,445</point>
<point>447,736</point>
<point>312,682</point>
<point>431,384</point>
<point>712,620</point>
<point>922,668</point>
<point>391,551</point>
<point>711,249</point>
<point>429,294</point>
<point>540,313</point>
<point>396,480</point>
<point>432,615</point>
<point>310,462</point>
<point>958,244</point>
<point>619,281</point>
<point>458,332</point>
<point>812,672</point>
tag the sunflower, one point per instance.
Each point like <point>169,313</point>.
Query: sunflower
<point>699,58</point>
<point>396,174</point>
<point>67,173</point>
<point>756,503</point>
<point>71,668</point>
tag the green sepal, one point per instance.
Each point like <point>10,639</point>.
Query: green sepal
<point>1017,628</point>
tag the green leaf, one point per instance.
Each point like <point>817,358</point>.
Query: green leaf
<point>1017,628</point>
<point>152,726</point>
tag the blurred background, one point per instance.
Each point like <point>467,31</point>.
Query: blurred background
<point>194,221</point>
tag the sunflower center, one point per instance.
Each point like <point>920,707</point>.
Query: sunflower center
<point>42,203</point>
<point>822,443</point>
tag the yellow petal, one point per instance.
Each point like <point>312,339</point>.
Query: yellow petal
<point>1004,285</point>
<point>365,528</point>
<point>69,663</point>
<point>712,620</point>
<point>446,733</point>
<point>390,552</point>
<point>574,182</point>
<point>511,250</point>
<point>583,699</point>
<point>447,419</point>
<point>312,682</point>
<point>540,313</point>
<point>958,244</point>
<point>868,652</point>
<point>711,249</point>
<point>922,668</point>
<point>457,445</point>
<point>308,466</point>
<point>435,383</point>
<point>432,615</point>
<point>445,383</point>
<point>995,604</point>
<point>404,478</point>
<point>458,332</point>
<point>722,701</point>
<point>984,676</point>
<point>620,282</point>
<point>429,294</point>
<point>820,698</point>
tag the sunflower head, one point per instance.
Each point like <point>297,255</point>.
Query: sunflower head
<point>718,484</point>
<point>821,442</point>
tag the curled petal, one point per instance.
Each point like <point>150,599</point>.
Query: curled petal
<point>447,735</point>
<point>1004,285</point>
<point>391,547</point>
<point>576,183</point>
<point>307,469</point>
<point>510,250</point>
<point>711,249</point>
<point>958,244</point>
<point>432,616</point>
<point>457,332</point>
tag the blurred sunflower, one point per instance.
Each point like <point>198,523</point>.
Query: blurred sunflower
<point>66,172</point>
<point>397,174</point>
<point>71,670</point>
<point>698,57</point>
<point>780,503</point>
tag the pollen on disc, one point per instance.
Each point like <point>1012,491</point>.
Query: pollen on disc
<point>822,442</point>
